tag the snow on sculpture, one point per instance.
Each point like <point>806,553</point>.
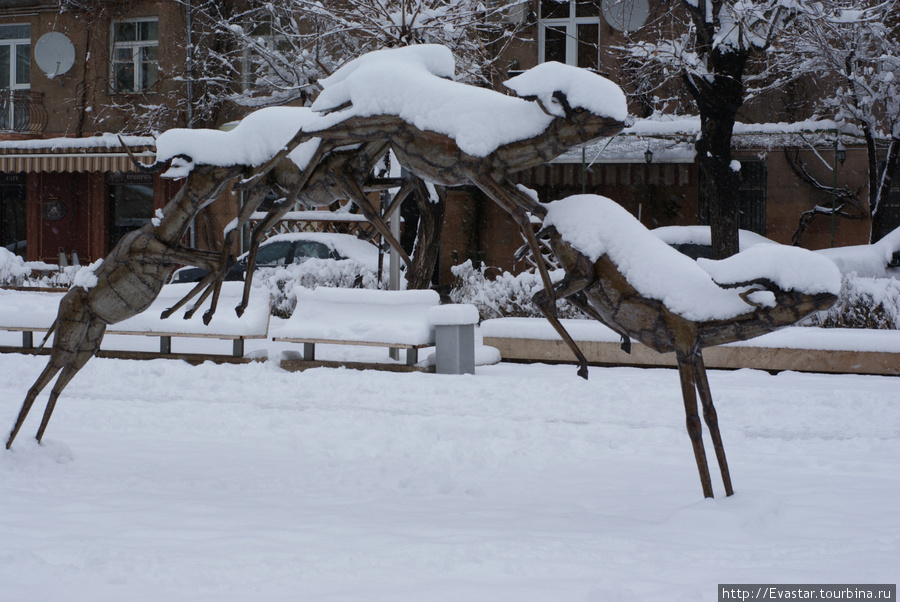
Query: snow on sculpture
<point>326,175</point>
<point>452,134</point>
<point>622,275</point>
<point>443,132</point>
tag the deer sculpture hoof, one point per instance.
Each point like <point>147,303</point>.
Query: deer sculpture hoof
<point>239,310</point>
<point>207,317</point>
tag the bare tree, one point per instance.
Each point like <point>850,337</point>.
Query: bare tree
<point>720,50</point>
<point>276,51</point>
<point>854,48</point>
<point>257,54</point>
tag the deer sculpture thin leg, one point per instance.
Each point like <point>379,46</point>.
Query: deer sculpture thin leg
<point>86,350</point>
<point>692,419</point>
<point>516,203</point>
<point>711,418</point>
<point>256,182</point>
<point>337,176</point>
<point>128,281</point>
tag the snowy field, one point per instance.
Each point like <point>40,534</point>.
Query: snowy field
<point>162,481</point>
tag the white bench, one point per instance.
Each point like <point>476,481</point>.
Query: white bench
<point>29,312</point>
<point>394,319</point>
<point>798,348</point>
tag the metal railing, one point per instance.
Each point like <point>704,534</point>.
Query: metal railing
<point>22,111</point>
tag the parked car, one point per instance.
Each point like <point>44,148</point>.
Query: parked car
<point>878,260</point>
<point>287,249</point>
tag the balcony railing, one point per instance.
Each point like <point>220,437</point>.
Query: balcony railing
<point>22,111</point>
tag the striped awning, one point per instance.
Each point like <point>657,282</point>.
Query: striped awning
<point>16,160</point>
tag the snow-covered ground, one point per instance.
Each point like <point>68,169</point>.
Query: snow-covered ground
<point>162,481</point>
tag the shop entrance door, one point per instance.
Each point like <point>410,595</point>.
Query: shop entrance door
<point>12,213</point>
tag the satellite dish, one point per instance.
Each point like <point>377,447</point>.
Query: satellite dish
<point>54,54</point>
<point>626,15</point>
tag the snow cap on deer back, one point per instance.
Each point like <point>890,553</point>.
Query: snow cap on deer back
<point>433,58</point>
<point>581,88</point>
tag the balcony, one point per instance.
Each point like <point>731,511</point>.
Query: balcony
<point>22,112</point>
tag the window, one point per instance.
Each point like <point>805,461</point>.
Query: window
<point>15,75</point>
<point>135,55</point>
<point>275,254</point>
<point>569,32</point>
<point>265,59</point>
<point>891,211</point>
<point>752,195</point>
<point>130,203</point>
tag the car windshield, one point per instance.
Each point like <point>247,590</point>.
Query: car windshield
<point>275,253</point>
<point>307,249</point>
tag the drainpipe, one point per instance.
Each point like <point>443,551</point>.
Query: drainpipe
<point>189,59</point>
<point>190,64</point>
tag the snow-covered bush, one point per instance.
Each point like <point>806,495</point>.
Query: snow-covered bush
<point>503,296</point>
<point>863,303</point>
<point>342,273</point>
<point>12,268</point>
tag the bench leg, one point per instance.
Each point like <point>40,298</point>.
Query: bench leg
<point>237,348</point>
<point>412,356</point>
<point>309,351</point>
<point>27,339</point>
<point>165,345</point>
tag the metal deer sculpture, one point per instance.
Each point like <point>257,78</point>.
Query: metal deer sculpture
<point>438,158</point>
<point>329,175</point>
<point>128,280</point>
<point>545,121</point>
<point>601,289</point>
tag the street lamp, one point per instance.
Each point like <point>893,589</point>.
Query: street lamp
<point>648,154</point>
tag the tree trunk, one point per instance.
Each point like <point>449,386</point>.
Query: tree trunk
<point>718,184</point>
<point>719,98</point>
<point>431,223</point>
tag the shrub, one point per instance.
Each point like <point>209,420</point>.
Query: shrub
<point>506,295</point>
<point>863,303</point>
<point>343,273</point>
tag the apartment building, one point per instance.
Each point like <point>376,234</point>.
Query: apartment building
<point>72,72</point>
<point>69,78</point>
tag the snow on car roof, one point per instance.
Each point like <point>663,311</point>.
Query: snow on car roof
<point>346,245</point>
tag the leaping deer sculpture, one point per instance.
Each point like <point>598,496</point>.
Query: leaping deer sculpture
<point>605,291</point>
<point>329,175</point>
<point>438,157</point>
<point>127,282</point>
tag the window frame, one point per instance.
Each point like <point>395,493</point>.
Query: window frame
<point>8,119</point>
<point>137,63</point>
<point>254,65</point>
<point>570,25</point>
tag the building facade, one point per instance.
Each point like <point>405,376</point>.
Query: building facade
<point>71,73</point>
<point>69,77</point>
